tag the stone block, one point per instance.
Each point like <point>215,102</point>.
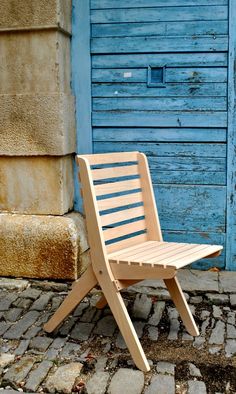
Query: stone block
<point>37,125</point>
<point>38,246</point>
<point>30,14</point>
<point>36,185</point>
<point>34,62</point>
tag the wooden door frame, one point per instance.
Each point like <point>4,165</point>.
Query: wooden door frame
<point>231,141</point>
<point>81,83</point>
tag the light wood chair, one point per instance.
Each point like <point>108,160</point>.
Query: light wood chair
<point>126,242</point>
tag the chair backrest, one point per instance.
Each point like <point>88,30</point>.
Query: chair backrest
<point>119,187</point>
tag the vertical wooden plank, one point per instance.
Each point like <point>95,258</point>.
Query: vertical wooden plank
<point>81,80</point>
<point>231,160</point>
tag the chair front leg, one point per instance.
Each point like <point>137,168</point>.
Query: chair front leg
<point>180,302</point>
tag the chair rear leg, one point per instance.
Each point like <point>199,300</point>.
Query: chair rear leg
<point>81,287</point>
<point>177,296</point>
<point>125,324</point>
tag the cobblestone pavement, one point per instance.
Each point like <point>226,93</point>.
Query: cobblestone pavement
<point>87,354</point>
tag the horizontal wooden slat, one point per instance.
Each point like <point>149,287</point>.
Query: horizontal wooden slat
<point>202,89</point>
<point>188,257</point>
<point>114,172</point>
<point>176,250</point>
<point>173,75</point>
<point>123,230</point>
<point>159,149</point>
<point>126,243</point>
<point>141,246</point>
<point>123,215</point>
<point>144,253</point>
<point>119,201</point>
<point>101,4</point>
<point>171,135</point>
<point>162,44</point>
<point>191,207</point>
<point>123,271</point>
<point>160,28</point>
<point>194,59</point>
<point>162,119</point>
<point>169,104</point>
<point>159,14</point>
<point>111,158</point>
<point>116,187</point>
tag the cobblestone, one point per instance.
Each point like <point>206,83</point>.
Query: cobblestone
<point>41,303</point>
<point>23,303</point>
<point>232,299</point>
<point>63,379</point>
<point>101,349</point>
<point>218,333</point>
<point>161,384</point>
<point>97,383</point>
<point>40,343</point>
<point>13,284</point>
<point>6,301</point>
<point>142,306</point>
<point>129,379</point>
<point>196,387</point>
<point>38,375</point>
<point>19,371</point>
<point>82,331</point>
<point>16,331</point>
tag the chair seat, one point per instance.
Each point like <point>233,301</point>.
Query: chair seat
<point>163,254</point>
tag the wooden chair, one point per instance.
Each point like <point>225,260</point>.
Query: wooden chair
<point>126,243</point>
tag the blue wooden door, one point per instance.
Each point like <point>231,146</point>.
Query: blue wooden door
<point>159,84</point>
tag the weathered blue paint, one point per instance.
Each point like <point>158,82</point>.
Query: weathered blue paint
<point>81,81</point>
<point>185,127</point>
<point>231,163</point>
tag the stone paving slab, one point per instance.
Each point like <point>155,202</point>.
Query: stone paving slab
<point>88,352</point>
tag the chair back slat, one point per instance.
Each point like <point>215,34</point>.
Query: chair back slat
<point>114,172</point>
<point>119,201</point>
<point>124,199</point>
<point>117,187</point>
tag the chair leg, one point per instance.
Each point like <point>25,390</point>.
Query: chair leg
<point>125,324</point>
<point>177,296</point>
<point>80,288</point>
<point>102,302</point>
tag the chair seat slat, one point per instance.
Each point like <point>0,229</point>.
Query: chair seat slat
<point>114,172</point>
<point>190,258</point>
<point>120,216</point>
<point>164,249</point>
<point>125,229</point>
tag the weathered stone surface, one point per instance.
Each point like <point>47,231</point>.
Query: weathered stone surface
<point>196,387</point>
<point>19,370</point>
<point>16,331</point>
<point>142,306</point>
<point>6,359</point>
<point>23,346</point>
<point>233,299</point>
<point>70,350</point>
<point>6,301</point>
<point>217,335</point>
<point>164,368</point>
<point>13,314</point>
<point>227,282</point>
<point>127,378</point>
<point>9,283</point>
<point>38,375</point>
<point>194,280</point>
<point>51,244</point>
<point>97,383</point>
<point>40,343</point>
<point>161,384</point>
<point>153,333</point>
<point>231,331</point>
<point>194,371</point>
<point>36,185</point>
<point>32,332</point>
<point>34,14</point>
<point>218,299</point>
<point>41,303</point>
<point>82,331</point>
<point>230,348</point>
<point>159,307</point>
<point>63,379</point>
<point>106,326</point>
<point>33,294</point>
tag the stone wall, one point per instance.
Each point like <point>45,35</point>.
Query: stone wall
<point>37,143</point>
